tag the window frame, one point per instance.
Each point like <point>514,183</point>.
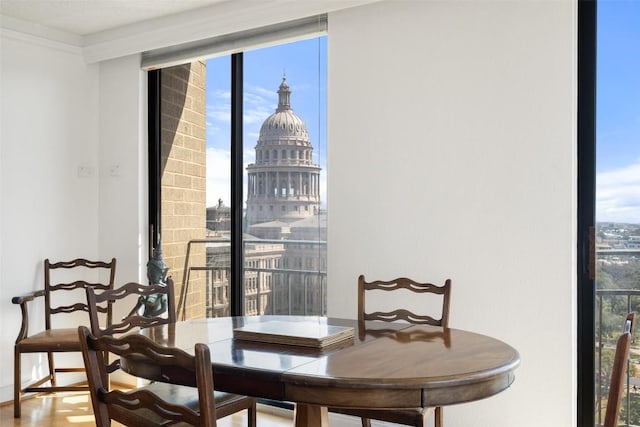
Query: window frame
<point>586,141</point>
<point>236,301</point>
<point>154,159</point>
<point>237,298</point>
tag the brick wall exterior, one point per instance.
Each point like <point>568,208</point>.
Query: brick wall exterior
<point>183,198</point>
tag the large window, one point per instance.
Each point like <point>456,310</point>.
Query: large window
<point>242,178</point>
<point>617,237</point>
<point>608,200</point>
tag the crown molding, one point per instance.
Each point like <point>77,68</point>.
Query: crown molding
<point>212,21</point>
<point>18,29</point>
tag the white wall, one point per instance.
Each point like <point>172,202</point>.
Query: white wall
<point>49,111</point>
<point>452,154</point>
<point>58,113</point>
<point>123,156</point>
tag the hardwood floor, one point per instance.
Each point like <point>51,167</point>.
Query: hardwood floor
<point>74,409</point>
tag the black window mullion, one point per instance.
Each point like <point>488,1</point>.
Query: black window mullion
<point>154,161</point>
<point>586,128</point>
<point>237,255</point>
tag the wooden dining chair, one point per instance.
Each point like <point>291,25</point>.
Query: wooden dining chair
<point>63,295</point>
<point>155,404</point>
<point>413,417</point>
<point>618,372</point>
<point>226,403</point>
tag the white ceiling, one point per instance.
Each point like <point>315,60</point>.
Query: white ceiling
<point>83,17</point>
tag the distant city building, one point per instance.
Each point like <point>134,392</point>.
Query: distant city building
<point>285,241</point>
<point>633,242</point>
<point>219,217</point>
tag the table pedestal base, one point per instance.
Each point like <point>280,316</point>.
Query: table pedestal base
<point>311,416</point>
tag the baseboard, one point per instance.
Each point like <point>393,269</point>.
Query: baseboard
<point>6,394</point>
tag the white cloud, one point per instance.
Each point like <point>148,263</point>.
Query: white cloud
<point>258,105</point>
<point>219,115</point>
<point>218,176</point>
<point>256,96</point>
<point>219,106</point>
<point>259,91</point>
<point>618,194</point>
<point>256,116</point>
<point>220,95</point>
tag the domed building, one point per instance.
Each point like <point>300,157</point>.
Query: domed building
<point>285,231</point>
<point>283,183</point>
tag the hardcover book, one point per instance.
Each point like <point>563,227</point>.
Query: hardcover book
<point>305,334</point>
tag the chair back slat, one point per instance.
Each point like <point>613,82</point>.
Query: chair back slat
<point>404,283</point>
<point>71,308</point>
<point>81,262</point>
<point>402,314</point>
<point>123,402</point>
<point>78,284</point>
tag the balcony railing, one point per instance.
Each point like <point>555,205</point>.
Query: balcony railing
<point>617,294</point>
<point>280,277</point>
<point>630,299</point>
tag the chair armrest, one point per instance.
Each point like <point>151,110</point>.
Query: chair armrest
<point>27,297</point>
<point>23,300</point>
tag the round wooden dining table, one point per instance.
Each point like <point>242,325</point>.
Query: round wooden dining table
<point>383,365</point>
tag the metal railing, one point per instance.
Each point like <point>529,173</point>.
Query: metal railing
<point>613,305</point>
<point>265,278</point>
<point>602,381</point>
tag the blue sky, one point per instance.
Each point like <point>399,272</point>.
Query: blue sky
<point>304,64</point>
<point>618,111</point>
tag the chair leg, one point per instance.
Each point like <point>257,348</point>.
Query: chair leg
<point>251,415</point>
<point>438,417</point>
<point>17,383</point>
<point>366,422</point>
<point>52,369</point>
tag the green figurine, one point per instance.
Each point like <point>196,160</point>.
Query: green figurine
<point>156,304</point>
<point>156,268</point>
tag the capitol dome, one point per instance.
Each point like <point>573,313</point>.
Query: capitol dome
<point>284,123</point>
<point>283,184</point>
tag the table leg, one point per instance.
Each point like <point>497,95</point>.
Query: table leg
<point>311,416</point>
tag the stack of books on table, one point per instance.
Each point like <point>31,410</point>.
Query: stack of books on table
<point>305,334</point>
